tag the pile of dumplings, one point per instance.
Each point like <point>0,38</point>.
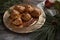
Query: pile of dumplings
<point>23,13</point>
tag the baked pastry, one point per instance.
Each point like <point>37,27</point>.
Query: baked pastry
<point>19,8</point>
<point>35,13</point>
<point>23,15</point>
<point>15,17</point>
<point>17,22</point>
<point>14,14</point>
<point>29,8</point>
<point>26,17</point>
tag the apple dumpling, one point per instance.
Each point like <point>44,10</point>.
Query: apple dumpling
<point>35,13</point>
<point>29,8</point>
<point>23,15</point>
<point>19,8</point>
<point>17,22</point>
<point>26,17</point>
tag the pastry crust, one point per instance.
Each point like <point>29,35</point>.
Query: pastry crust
<point>17,22</point>
<point>19,8</point>
<point>29,8</point>
<point>35,13</point>
<point>21,14</point>
<point>26,17</point>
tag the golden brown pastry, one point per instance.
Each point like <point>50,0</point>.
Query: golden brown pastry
<point>26,16</point>
<point>19,8</point>
<point>22,15</point>
<point>15,14</point>
<point>35,13</point>
<point>17,22</point>
<point>29,8</point>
